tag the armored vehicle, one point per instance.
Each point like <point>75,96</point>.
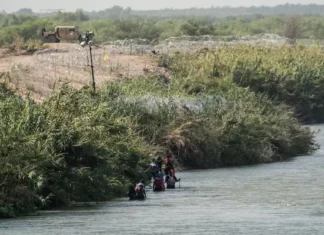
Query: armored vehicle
<point>68,33</point>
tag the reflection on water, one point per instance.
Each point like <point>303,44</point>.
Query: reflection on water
<point>280,198</point>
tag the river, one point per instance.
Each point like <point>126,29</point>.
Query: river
<point>280,198</point>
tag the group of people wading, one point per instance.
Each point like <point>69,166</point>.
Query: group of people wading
<point>137,191</point>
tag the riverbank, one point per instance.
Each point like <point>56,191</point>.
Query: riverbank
<point>279,198</point>
<point>77,146</point>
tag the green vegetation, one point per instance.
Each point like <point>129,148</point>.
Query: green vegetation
<point>294,76</point>
<point>213,12</point>
<point>235,105</point>
<point>72,147</point>
<point>154,28</point>
<point>27,28</point>
<point>79,147</point>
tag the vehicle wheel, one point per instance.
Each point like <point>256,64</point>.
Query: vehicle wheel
<point>52,39</point>
<point>80,39</point>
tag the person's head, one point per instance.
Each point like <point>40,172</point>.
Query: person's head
<point>171,172</point>
<point>142,181</point>
<point>167,159</point>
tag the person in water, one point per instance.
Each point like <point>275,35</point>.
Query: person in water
<point>132,192</point>
<point>171,179</point>
<point>168,165</point>
<point>159,175</point>
<point>158,184</point>
<point>159,163</point>
<point>140,190</point>
<point>154,169</point>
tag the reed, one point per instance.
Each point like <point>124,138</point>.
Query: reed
<point>77,146</point>
<point>292,75</point>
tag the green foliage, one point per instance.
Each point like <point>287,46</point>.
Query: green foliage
<point>77,146</point>
<point>233,126</point>
<point>118,23</point>
<point>222,107</point>
<point>293,27</point>
<point>25,11</point>
<point>70,148</point>
<point>197,27</point>
<point>28,29</point>
<point>213,12</point>
<point>65,17</point>
<point>293,76</point>
<point>13,19</point>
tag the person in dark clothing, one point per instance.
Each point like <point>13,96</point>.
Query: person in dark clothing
<point>171,179</point>
<point>168,165</point>
<point>154,169</point>
<point>87,37</point>
<point>132,192</point>
<point>159,163</point>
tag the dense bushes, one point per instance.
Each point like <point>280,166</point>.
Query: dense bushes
<point>77,146</point>
<point>294,76</point>
<point>230,126</point>
<point>70,148</point>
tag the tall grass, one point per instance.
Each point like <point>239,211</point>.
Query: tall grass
<point>70,148</point>
<point>294,76</point>
<point>77,146</point>
<point>231,126</point>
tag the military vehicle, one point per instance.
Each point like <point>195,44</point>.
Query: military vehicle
<point>67,33</point>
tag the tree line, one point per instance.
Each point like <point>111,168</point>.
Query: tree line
<point>214,12</point>
<point>28,27</point>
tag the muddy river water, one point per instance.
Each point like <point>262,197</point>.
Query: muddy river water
<point>280,198</point>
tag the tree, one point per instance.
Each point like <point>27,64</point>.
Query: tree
<point>25,11</point>
<point>293,27</point>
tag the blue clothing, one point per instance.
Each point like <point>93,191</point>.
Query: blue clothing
<point>159,176</point>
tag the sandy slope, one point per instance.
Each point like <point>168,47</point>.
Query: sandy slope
<point>41,72</point>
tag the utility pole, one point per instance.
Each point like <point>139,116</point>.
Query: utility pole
<point>92,71</point>
<point>87,40</point>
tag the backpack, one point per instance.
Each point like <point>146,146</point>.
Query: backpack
<point>171,181</point>
<point>158,185</point>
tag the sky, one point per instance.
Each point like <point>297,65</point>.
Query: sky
<point>89,5</point>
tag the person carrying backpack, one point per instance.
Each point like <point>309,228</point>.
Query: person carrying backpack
<point>158,184</point>
<point>171,179</point>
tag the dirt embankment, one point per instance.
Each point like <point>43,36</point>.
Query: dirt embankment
<point>40,73</point>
